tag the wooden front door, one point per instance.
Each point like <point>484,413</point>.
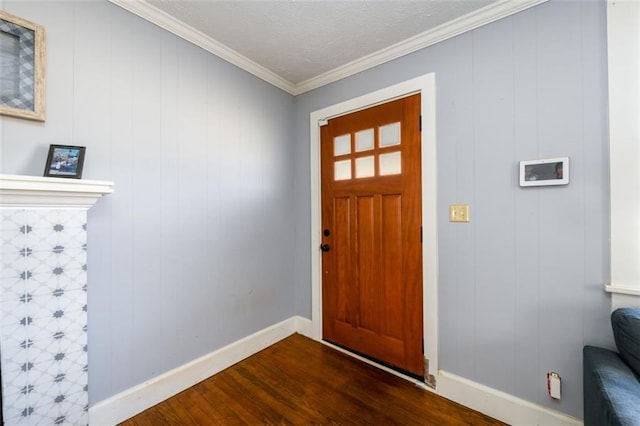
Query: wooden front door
<point>371,233</point>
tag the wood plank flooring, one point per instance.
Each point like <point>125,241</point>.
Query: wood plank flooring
<point>299,381</point>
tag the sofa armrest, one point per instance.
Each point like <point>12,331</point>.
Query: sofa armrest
<point>611,389</point>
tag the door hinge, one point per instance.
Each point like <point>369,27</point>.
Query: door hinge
<point>420,123</point>
<point>421,243</point>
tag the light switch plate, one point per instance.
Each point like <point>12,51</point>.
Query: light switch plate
<point>459,213</point>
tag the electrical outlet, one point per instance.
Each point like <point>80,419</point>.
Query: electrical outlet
<point>459,213</point>
<point>554,385</point>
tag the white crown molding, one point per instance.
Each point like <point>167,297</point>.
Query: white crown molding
<point>32,192</point>
<point>164,20</point>
<point>486,15</point>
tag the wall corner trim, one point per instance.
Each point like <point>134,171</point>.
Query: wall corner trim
<point>132,401</point>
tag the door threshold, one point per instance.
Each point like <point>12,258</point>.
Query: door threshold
<point>403,375</point>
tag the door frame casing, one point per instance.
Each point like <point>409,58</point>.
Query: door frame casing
<point>426,86</point>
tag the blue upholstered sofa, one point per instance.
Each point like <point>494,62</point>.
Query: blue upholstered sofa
<point>612,379</point>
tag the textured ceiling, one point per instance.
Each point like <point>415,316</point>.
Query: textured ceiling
<point>300,40</point>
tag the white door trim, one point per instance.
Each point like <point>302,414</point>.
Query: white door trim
<point>426,85</point>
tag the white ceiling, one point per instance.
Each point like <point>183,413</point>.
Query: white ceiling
<point>300,45</point>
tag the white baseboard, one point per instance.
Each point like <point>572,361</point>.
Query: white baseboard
<point>481,398</point>
<point>127,404</point>
<point>303,326</point>
<point>497,404</point>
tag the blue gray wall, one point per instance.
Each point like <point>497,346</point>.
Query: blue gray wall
<point>521,285</point>
<point>194,249</point>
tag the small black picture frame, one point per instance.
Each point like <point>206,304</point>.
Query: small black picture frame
<point>65,161</point>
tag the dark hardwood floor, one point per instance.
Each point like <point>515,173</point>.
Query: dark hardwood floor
<point>302,382</point>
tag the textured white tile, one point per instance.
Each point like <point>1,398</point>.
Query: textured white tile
<point>12,241</point>
<point>70,409</point>
<point>71,324</point>
<point>19,390</point>
<point>44,304</point>
<point>13,290</point>
<point>54,261</point>
<point>43,316</point>
<point>76,279</point>
<point>12,265</point>
<point>13,410</point>
<point>71,301</point>
<point>12,343</point>
<point>42,239</point>
<point>15,317</point>
<point>65,341</point>
<point>15,366</point>
<point>12,218</point>
<point>41,284</point>
<point>59,223</point>
<point>48,283</point>
<point>72,259</point>
<point>76,218</point>
<point>46,368</point>
<point>43,218</point>
<point>78,377</point>
<point>12,339</point>
<point>42,405</point>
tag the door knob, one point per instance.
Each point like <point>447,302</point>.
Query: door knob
<point>325,247</point>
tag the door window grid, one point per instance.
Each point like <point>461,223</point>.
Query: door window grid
<point>364,140</point>
<point>342,145</point>
<point>389,162</point>
<point>365,167</point>
<point>342,170</point>
<point>389,134</point>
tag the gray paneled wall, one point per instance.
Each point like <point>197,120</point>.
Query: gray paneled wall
<point>521,285</point>
<point>194,249</point>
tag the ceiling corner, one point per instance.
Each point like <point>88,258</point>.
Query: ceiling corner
<point>165,21</point>
<point>486,15</point>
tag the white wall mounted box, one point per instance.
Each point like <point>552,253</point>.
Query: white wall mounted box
<point>544,172</point>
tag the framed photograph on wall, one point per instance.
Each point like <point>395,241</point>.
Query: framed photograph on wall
<point>544,172</point>
<point>22,62</point>
<point>65,161</point>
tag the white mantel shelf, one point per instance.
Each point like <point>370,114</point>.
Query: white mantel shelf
<point>34,191</point>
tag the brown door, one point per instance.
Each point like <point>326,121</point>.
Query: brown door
<point>371,233</point>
